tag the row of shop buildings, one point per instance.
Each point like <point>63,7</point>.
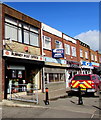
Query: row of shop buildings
<point>27,49</point>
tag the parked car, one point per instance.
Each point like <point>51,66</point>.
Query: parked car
<point>88,83</point>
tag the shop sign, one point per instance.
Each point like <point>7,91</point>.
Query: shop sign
<point>21,55</point>
<point>52,60</point>
<point>85,64</point>
<point>58,53</point>
<point>73,64</point>
<point>95,64</point>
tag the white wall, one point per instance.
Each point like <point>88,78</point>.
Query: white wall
<point>51,30</point>
<point>69,38</point>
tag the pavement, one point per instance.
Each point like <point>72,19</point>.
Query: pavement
<point>41,101</point>
<point>67,105</point>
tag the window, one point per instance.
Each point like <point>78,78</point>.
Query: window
<point>47,42</point>
<point>19,35</point>
<point>93,77</point>
<point>86,54</point>
<point>58,44</point>
<point>92,56</point>
<point>74,51</point>
<point>100,59</point>
<point>21,32</point>
<point>81,77</point>
<point>95,58</point>
<point>56,77</point>
<point>26,37</point>
<point>67,49</point>
<point>81,53</point>
<point>34,39</point>
<point>10,32</point>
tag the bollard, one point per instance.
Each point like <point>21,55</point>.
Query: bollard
<point>80,101</point>
<point>47,99</point>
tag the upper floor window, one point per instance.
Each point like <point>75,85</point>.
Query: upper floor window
<point>92,56</point>
<point>67,49</point>
<point>47,42</point>
<point>21,32</point>
<point>81,53</point>
<point>86,54</point>
<point>100,59</point>
<point>58,44</point>
<point>74,51</point>
<point>95,58</point>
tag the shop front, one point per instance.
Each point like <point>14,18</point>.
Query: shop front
<point>54,76</point>
<point>22,69</point>
<point>96,68</point>
<point>86,67</point>
<point>72,69</point>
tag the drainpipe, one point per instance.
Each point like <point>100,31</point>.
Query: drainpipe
<point>43,78</point>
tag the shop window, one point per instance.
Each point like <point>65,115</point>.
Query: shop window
<point>14,73</point>
<point>19,74</point>
<point>62,77</point>
<point>56,77</point>
<point>51,77</point>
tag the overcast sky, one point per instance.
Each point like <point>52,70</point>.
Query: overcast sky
<point>76,19</point>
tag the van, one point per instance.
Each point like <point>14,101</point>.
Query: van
<point>88,83</point>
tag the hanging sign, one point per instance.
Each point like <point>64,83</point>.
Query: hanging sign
<point>58,53</point>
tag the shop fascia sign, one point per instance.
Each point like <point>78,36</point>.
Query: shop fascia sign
<point>13,54</point>
<point>52,60</point>
<point>95,64</point>
<point>58,53</point>
<point>73,64</point>
<point>85,64</point>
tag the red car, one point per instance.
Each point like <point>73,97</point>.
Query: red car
<point>89,83</point>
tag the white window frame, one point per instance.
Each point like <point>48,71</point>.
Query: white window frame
<point>10,31</point>
<point>81,53</point>
<point>86,54</point>
<point>34,40</point>
<point>59,43</point>
<point>95,58</point>
<point>92,57</point>
<point>73,51</point>
<point>67,49</point>
<point>48,40</point>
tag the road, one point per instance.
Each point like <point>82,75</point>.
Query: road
<point>61,108</point>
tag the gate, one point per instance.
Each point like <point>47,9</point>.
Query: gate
<point>23,92</point>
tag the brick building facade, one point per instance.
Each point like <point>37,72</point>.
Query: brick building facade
<point>27,46</point>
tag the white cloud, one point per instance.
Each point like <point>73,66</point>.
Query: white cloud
<point>91,38</point>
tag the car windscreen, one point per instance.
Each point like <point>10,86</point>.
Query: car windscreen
<point>83,77</point>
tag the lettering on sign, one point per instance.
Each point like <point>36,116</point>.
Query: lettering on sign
<point>20,55</point>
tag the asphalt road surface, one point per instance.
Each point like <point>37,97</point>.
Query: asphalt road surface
<point>61,108</point>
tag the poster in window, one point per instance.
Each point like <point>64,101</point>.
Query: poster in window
<point>19,74</point>
<point>13,73</point>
